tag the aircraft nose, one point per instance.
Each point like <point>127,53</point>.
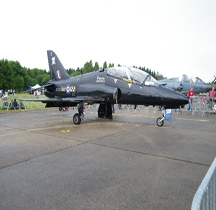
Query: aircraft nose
<point>209,87</point>
<point>174,99</point>
<point>182,98</point>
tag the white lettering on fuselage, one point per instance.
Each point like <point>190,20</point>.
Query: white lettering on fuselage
<point>100,79</point>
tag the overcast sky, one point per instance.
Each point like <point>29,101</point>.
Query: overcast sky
<point>172,37</point>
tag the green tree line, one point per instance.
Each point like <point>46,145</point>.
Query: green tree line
<point>14,76</point>
<point>89,67</point>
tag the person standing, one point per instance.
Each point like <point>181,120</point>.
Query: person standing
<point>212,97</point>
<point>190,94</point>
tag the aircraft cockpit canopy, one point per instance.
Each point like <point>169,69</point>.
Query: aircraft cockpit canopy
<point>133,75</point>
<point>185,79</point>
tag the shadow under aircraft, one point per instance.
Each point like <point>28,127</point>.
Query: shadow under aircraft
<point>185,83</point>
<point>122,85</point>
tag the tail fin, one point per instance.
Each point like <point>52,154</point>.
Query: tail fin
<point>57,70</point>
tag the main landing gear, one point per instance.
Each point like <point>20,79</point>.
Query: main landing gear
<point>78,117</point>
<point>160,120</point>
<point>105,111</point>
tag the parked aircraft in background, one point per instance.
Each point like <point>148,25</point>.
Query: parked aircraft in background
<point>185,84</point>
<point>123,85</point>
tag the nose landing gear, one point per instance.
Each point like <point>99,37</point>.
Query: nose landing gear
<point>160,120</point>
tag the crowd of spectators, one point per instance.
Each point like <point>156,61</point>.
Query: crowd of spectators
<point>13,105</point>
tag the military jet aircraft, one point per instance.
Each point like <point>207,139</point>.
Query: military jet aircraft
<point>123,85</point>
<point>185,83</point>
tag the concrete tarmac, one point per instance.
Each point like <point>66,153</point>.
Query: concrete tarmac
<point>47,162</point>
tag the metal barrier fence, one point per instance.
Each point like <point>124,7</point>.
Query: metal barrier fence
<point>205,197</point>
<point>201,105</point>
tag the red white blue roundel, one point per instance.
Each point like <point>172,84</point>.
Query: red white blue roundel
<point>68,89</point>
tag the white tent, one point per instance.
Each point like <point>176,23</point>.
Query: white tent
<point>35,87</point>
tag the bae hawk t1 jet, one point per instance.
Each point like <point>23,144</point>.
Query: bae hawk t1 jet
<point>122,85</point>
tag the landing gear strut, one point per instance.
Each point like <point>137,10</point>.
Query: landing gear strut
<point>78,117</point>
<point>160,120</point>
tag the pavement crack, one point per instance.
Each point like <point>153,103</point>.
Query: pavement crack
<point>149,154</point>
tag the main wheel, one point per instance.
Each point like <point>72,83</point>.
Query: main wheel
<point>76,119</point>
<point>102,110</point>
<point>160,122</point>
<point>109,111</point>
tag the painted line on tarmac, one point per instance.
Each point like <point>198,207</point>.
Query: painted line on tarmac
<point>38,129</point>
<point>30,130</point>
<point>192,119</point>
<point>129,115</point>
<point>132,115</point>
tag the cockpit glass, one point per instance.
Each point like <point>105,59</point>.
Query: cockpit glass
<point>134,75</point>
<point>198,80</point>
<point>118,72</point>
<point>151,81</point>
<point>138,75</point>
<point>188,79</point>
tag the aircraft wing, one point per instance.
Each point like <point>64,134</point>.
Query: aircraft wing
<point>85,99</point>
<point>69,100</point>
<point>44,100</point>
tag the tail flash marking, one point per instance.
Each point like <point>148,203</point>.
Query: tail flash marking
<point>58,74</point>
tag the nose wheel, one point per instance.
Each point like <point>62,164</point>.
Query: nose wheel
<point>160,120</point>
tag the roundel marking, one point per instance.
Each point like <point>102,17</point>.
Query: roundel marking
<point>68,89</point>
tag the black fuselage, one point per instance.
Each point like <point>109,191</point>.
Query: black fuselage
<point>110,89</point>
